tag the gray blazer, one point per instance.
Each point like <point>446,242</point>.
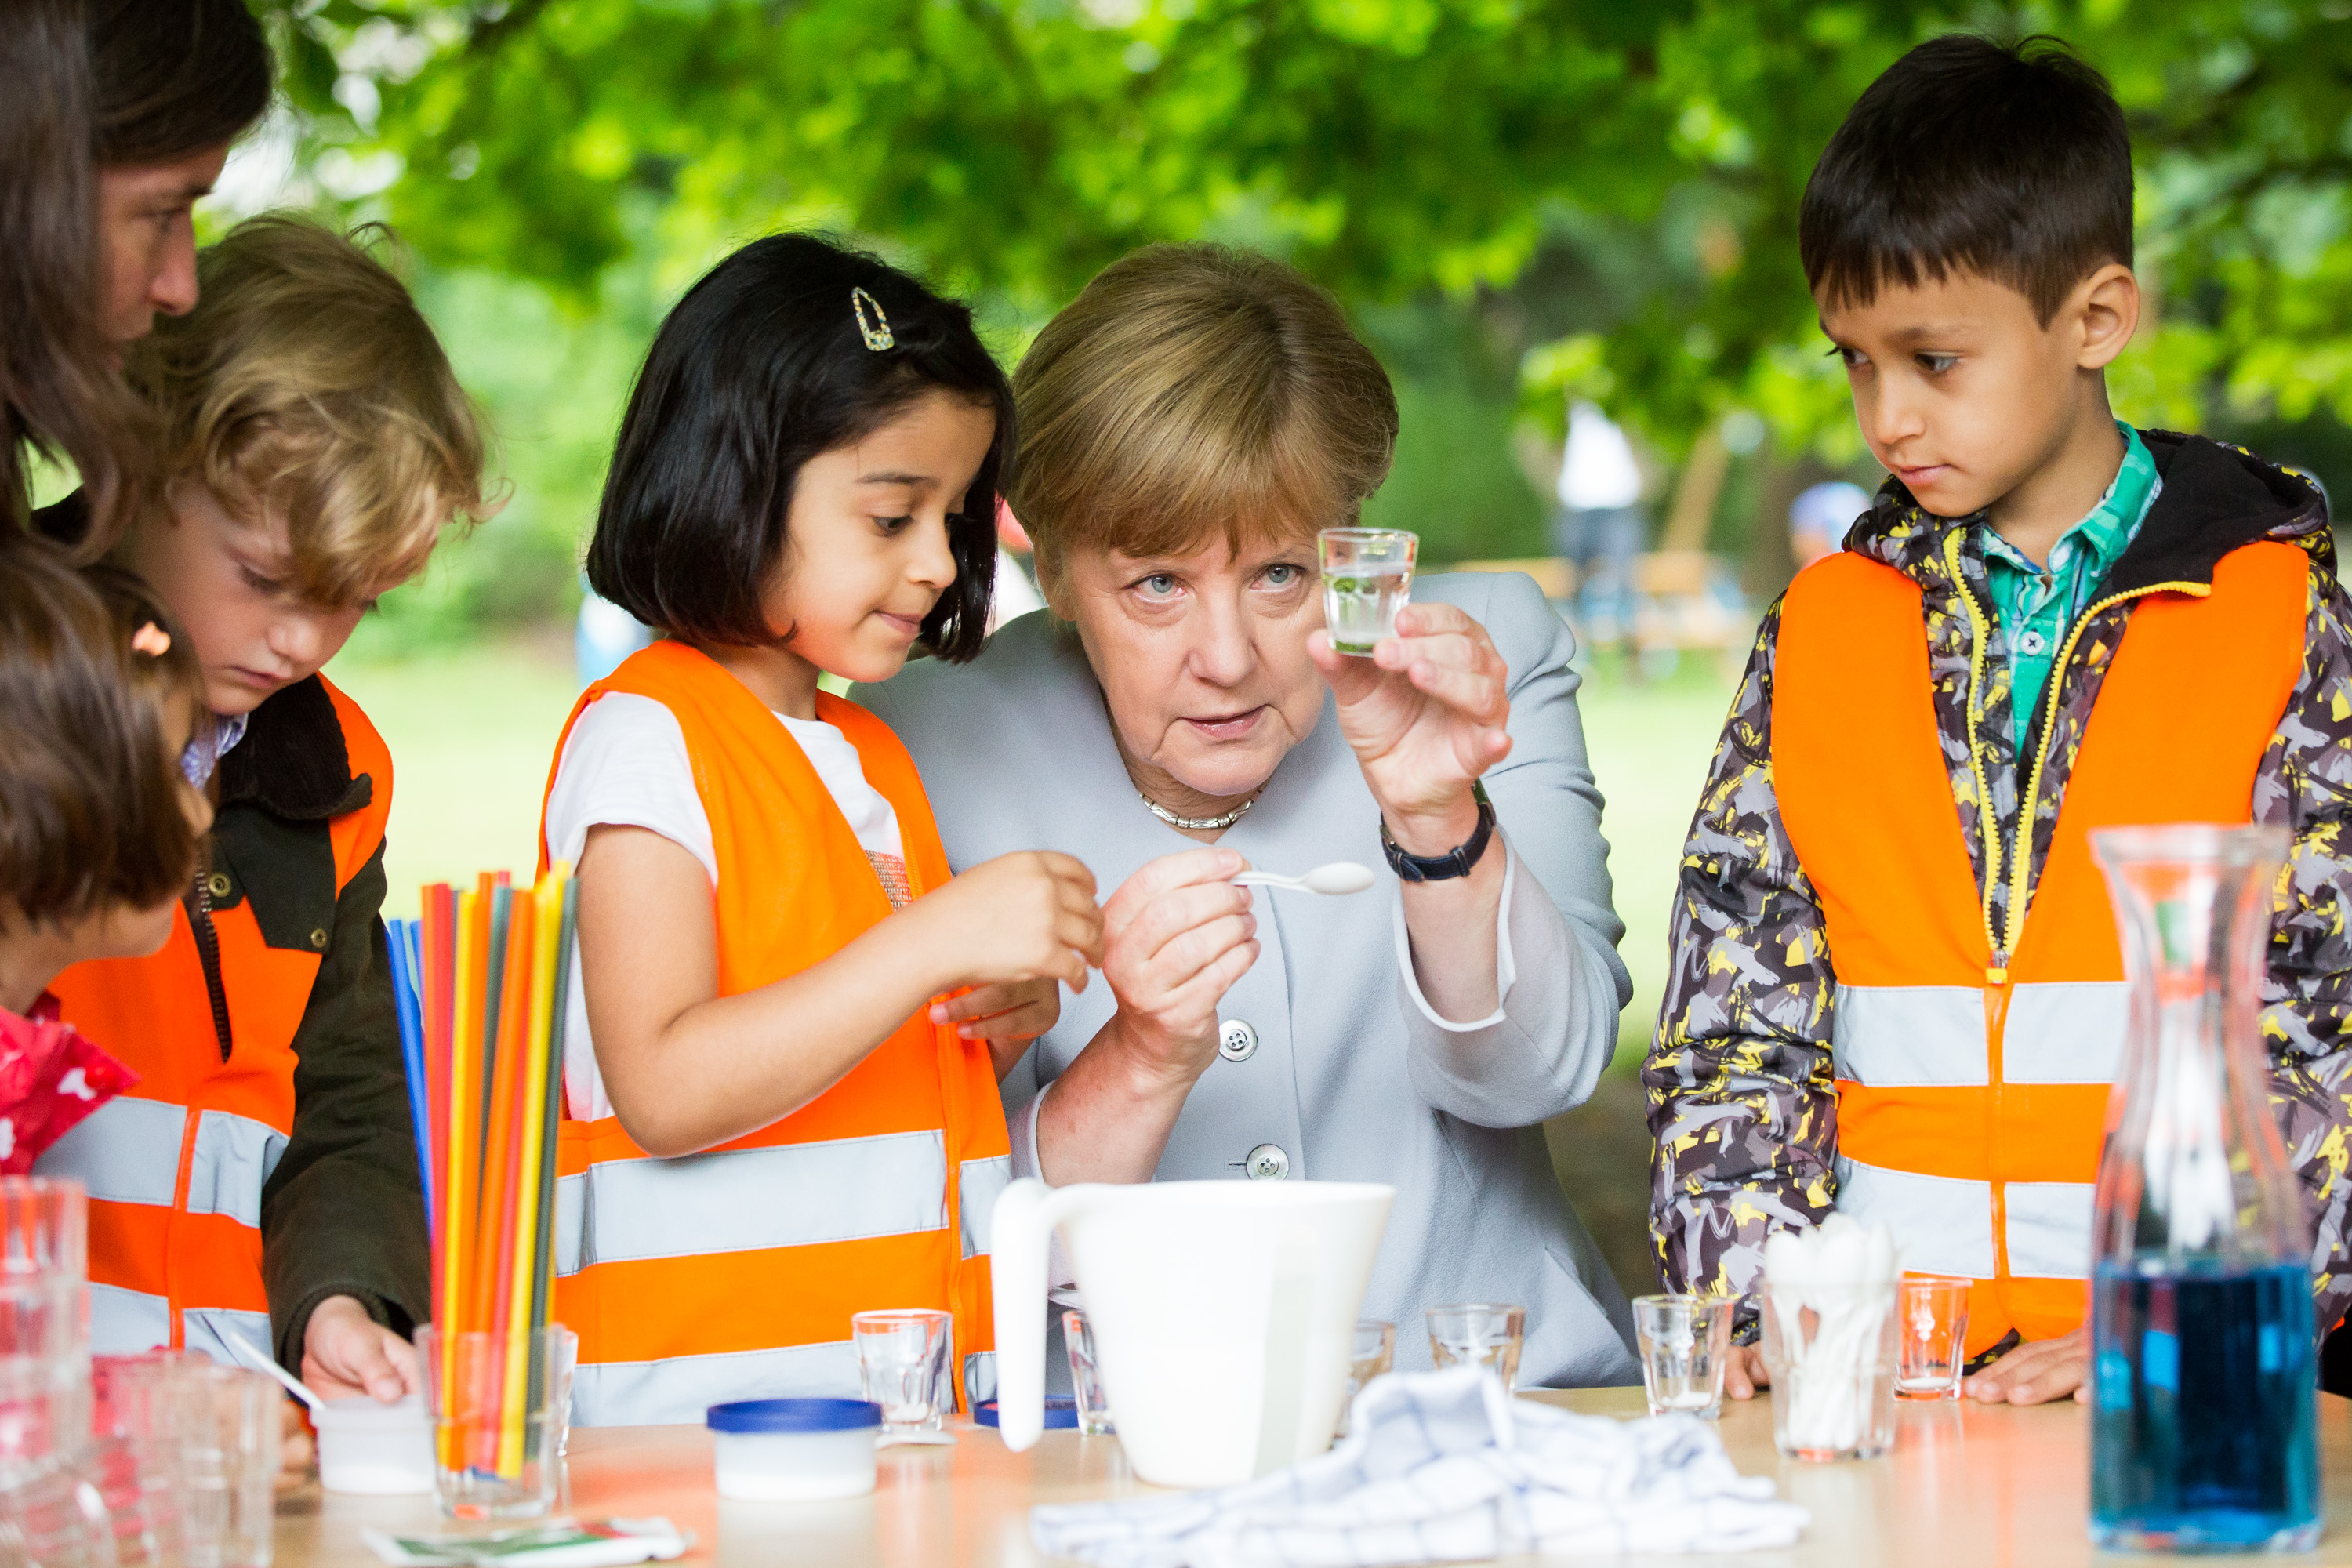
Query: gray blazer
<point>1348,1075</point>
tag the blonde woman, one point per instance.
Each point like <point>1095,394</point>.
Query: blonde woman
<point>1177,712</point>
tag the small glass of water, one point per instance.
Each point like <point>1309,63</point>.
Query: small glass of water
<point>902,1358</point>
<point>1086,1375</point>
<point>1685,1342</point>
<point>1371,1352</point>
<point>1479,1334</point>
<point>1367,579</point>
<point>1933,1310</point>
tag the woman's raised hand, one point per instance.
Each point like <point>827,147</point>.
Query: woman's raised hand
<point>1425,714</point>
<point>1177,934</point>
<point>1027,916</point>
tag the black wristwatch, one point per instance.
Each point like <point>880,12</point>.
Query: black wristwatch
<point>1456,861</point>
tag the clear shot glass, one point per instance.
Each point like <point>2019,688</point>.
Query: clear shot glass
<point>1367,579</point>
<point>1932,1312</point>
<point>902,1359</point>
<point>1086,1375</point>
<point>1371,1352</point>
<point>1685,1342</point>
<point>1479,1334</point>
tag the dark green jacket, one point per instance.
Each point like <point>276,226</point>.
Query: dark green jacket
<point>344,1213</point>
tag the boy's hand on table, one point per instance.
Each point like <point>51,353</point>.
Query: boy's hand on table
<point>346,1353</point>
<point>2037,1372</point>
<point>1745,1373</point>
<point>1006,1016</point>
<point>296,1454</point>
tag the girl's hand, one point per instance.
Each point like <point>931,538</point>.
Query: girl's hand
<point>1178,934</point>
<point>1426,715</point>
<point>345,1353</point>
<point>1006,1017</point>
<point>1018,918</point>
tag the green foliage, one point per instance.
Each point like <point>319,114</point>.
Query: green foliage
<point>1601,197</point>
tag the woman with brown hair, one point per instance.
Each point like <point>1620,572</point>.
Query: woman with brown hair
<point>117,118</point>
<point>1179,713</point>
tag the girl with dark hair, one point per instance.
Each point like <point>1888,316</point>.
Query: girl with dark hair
<point>118,117</point>
<point>804,485</point>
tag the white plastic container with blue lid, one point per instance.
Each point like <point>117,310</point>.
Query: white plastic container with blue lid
<point>794,1450</point>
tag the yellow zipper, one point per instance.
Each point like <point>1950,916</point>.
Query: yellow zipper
<point>2003,943</point>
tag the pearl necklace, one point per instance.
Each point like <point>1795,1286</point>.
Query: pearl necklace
<point>1197,824</point>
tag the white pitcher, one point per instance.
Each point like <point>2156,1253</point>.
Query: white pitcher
<point>1221,1313</point>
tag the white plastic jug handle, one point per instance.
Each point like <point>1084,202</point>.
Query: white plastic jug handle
<point>1018,1233</point>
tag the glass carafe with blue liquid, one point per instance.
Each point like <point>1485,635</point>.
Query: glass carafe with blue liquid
<point>2204,1358</point>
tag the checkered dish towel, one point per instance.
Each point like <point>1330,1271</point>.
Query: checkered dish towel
<point>1444,1467</point>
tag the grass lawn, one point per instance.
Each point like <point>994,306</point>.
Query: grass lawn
<point>472,730</point>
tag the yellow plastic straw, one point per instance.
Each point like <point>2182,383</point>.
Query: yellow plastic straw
<point>455,1187</point>
<point>546,929</point>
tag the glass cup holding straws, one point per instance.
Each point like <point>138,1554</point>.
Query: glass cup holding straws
<point>479,983</point>
<point>498,1401</point>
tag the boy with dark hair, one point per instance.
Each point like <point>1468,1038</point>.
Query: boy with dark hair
<point>1895,987</point>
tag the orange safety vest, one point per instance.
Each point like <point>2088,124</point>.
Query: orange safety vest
<point>732,1274</point>
<point>1973,1066</point>
<point>175,1168</point>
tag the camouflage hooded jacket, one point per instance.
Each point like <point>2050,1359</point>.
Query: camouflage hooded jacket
<point>1741,1101</point>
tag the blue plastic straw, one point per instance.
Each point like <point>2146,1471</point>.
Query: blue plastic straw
<point>408,1006</point>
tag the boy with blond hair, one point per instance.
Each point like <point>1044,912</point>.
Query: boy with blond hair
<point>1895,989</point>
<point>261,1180</point>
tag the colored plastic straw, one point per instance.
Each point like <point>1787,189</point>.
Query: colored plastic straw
<point>409,1010</point>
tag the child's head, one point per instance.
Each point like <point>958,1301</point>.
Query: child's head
<point>1968,237</point>
<point>317,444</point>
<point>810,460</point>
<point>100,826</point>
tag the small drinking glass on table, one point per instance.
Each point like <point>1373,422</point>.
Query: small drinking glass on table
<point>1685,1342</point>
<point>1367,579</point>
<point>1933,1313</point>
<point>1371,1352</point>
<point>902,1359</point>
<point>1479,1334</point>
<point>1086,1375</point>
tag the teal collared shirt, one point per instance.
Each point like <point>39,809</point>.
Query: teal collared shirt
<point>2037,605</point>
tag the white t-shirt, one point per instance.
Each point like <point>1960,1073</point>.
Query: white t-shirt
<point>625,765</point>
<point>1597,472</point>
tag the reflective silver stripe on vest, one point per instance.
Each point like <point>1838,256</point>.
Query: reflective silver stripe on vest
<point>682,1389</point>
<point>2050,1229</point>
<point>1933,1036</point>
<point>751,1200</point>
<point>125,1322</point>
<point>979,1184</point>
<point>979,1378</point>
<point>2071,1033</point>
<point>1944,1225</point>
<point>126,1152</point>
<point>200,1328</point>
<point>235,1155</point>
<point>1910,1036</point>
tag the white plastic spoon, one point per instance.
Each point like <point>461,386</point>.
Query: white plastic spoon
<point>254,1356</point>
<point>1339,876</point>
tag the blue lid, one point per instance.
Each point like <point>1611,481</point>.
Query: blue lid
<point>1059,1412</point>
<point>794,1416</point>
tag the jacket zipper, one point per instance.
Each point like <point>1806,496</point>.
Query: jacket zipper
<point>200,924</point>
<point>2003,943</point>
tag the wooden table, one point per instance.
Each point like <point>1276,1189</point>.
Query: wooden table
<point>1974,1486</point>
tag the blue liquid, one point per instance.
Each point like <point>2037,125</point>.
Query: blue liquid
<point>2203,1426</point>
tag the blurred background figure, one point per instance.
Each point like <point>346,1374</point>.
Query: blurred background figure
<point>1820,516</point>
<point>605,636</point>
<point>1016,591</point>
<point>1599,525</point>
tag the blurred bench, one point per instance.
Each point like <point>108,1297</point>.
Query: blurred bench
<point>1683,601</point>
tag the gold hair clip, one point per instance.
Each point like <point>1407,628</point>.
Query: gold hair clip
<point>151,640</point>
<point>876,333</point>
